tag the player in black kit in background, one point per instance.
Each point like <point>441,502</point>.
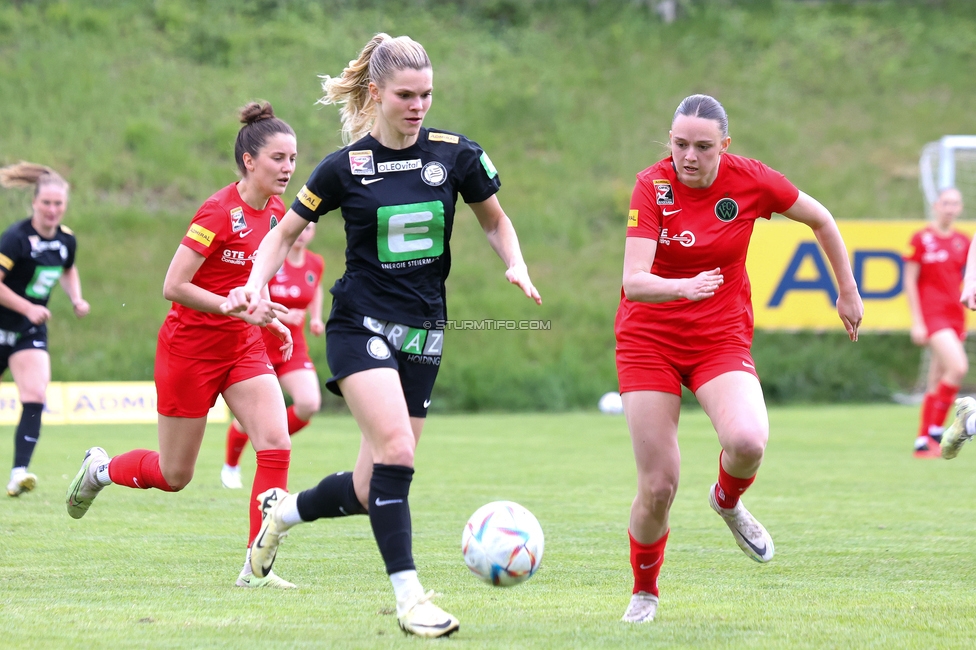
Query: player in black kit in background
<point>396,186</point>
<point>35,253</point>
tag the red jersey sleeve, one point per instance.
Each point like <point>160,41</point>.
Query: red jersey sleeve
<point>780,193</point>
<point>644,218</point>
<point>207,229</point>
<point>915,249</point>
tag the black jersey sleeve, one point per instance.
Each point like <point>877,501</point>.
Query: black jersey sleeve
<point>478,179</point>
<point>12,245</point>
<point>71,245</point>
<point>322,191</point>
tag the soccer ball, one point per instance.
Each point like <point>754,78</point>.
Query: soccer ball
<point>502,543</point>
<point>611,404</point>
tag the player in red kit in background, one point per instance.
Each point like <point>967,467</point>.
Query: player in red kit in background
<point>685,318</point>
<point>298,286</point>
<point>932,282</point>
<point>201,352</point>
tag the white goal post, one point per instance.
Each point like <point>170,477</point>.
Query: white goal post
<point>949,162</point>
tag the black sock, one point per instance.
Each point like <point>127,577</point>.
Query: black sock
<point>334,496</point>
<point>28,431</point>
<point>389,515</point>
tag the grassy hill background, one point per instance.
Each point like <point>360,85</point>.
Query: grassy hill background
<point>134,102</point>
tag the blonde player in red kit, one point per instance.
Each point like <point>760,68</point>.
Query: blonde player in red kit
<point>202,353</point>
<point>932,282</point>
<point>685,318</point>
<point>298,286</point>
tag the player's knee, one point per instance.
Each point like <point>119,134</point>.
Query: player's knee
<point>306,407</point>
<point>747,447</point>
<point>398,450</point>
<point>178,479</point>
<point>656,494</point>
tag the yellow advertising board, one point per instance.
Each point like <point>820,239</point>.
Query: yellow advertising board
<point>793,287</point>
<point>95,403</point>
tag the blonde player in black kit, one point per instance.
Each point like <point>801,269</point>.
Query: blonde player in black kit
<point>35,254</point>
<point>396,186</point>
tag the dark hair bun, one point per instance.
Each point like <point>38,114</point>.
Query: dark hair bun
<point>256,111</point>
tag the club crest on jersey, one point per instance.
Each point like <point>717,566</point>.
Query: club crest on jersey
<point>434,174</point>
<point>310,278</point>
<point>663,191</point>
<point>237,222</point>
<point>361,163</point>
<point>726,209</point>
<point>273,222</point>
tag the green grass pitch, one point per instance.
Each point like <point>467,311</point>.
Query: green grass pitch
<point>874,548</point>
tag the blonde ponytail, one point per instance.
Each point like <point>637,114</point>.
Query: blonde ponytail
<point>25,174</point>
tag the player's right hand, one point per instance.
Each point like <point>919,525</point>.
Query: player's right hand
<point>37,314</point>
<point>704,285</point>
<point>239,299</point>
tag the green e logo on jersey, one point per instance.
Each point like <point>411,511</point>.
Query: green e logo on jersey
<point>45,277</point>
<point>410,232</point>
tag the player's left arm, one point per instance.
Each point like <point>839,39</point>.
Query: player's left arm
<point>503,240</point>
<point>71,283</point>
<point>807,210</point>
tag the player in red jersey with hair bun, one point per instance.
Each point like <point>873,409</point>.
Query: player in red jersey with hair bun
<point>201,352</point>
<point>932,281</point>
<point>685,319</point>
<point>298,286</point>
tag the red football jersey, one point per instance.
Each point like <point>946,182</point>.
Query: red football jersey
<point>227,232</point>
<point>942,260</point>
<point>699,229</point>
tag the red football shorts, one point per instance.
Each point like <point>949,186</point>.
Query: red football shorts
<point>187,387</point>
<point>300,359</point>
<point>948,319</point>
<point>666,370</point>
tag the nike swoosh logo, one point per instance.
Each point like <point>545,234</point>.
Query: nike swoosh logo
<point>386,502</point>
<point>38,344</point>
<point>438,626</point>
<point>426,403</point>
<point>246,233</point>
<point>270,367</point>
<point>29,439</point>
<point>645,567</point>
<point>748,365</point>
<point>668,213</point>
<point>759,551</point>
<point>368,181</point>
<point>259,543</point>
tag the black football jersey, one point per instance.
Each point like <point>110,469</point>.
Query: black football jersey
<point>398,208</point>
<point>32,265</point>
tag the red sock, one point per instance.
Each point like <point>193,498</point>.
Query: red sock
<point>272,471</point>
<point>925,415</point>
<point>236,441</point>
<point>729,487</point>
<point>945,395</point>
<point>646,561</point>
<point>295,424</point>
<point>138,468</point>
